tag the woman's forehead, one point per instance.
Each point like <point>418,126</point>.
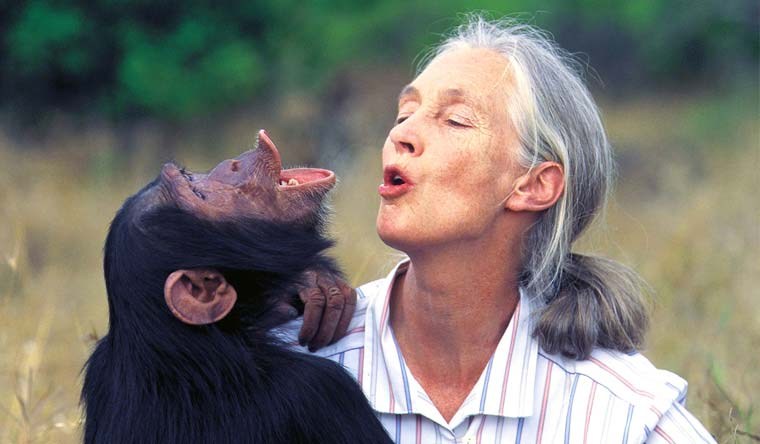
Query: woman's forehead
<point>466,74</point>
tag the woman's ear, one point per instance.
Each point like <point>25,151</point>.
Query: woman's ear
<point>538,189</point>
<point>199,296</point>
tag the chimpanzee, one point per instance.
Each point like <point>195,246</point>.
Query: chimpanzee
<point>198,268</point>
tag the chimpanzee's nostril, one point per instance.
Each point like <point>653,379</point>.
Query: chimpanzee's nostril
<point>234,166</point>
<point>408,146</point>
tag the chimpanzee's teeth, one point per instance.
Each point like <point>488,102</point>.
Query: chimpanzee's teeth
<point>292,182</point>
<point>283,183</point>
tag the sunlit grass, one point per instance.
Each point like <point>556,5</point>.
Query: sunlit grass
<point>686,215</point>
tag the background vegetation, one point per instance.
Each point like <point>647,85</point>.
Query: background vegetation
<point>95,95</point>
<point>178,59</point>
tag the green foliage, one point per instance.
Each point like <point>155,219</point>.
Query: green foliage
<point>171,59</point>
<point>177,59</point>
<point>59,46</point>
<point>192,68</point>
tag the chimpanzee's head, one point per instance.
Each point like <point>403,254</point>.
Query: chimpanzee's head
<point>196,246</point>
<point>251,185</point>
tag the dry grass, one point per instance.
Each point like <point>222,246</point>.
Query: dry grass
<point>686,215</point>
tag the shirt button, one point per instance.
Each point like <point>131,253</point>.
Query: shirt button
<point>470,440</point>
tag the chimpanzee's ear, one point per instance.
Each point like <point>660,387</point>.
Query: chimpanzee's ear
<point>199,296</point>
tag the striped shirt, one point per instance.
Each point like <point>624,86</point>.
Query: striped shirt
<point>524,395</point>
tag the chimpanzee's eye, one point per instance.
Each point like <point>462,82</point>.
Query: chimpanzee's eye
<point>187,175</point>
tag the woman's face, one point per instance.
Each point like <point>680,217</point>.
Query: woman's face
<point>449,161</point>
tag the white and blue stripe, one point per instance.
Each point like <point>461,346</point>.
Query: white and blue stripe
<point>523,395</point>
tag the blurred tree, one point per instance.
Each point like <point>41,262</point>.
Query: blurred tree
<point>177,59</point>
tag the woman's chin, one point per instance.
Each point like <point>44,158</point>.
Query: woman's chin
<point>393,235</point>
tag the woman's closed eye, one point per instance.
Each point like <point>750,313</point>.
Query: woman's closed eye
<point>457,123</point>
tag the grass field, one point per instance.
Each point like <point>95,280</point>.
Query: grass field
<point>686,215</point>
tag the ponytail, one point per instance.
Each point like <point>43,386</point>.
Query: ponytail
<point>598,303</point>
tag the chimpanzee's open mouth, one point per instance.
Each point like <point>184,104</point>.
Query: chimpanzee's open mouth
<point>294,177</point>
<point>301,176</point>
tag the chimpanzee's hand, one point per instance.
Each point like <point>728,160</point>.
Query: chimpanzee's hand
<point>328,306</point>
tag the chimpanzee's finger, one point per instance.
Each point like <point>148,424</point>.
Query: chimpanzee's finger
<point>314,304</point>
<point>348,310</point>
<point>334,303</point>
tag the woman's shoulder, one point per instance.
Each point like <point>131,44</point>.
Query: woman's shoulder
<point>630,377</point>
<point>371,290</point>
<point>647,400</point>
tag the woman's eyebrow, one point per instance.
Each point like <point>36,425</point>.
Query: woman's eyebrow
<point>455,94</point>
<point>445,97</point>
<point>450,93</point>
<point>409,92</point>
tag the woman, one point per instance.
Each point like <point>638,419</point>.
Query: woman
<point>493,330</point>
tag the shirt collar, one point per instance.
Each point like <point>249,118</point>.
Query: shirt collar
<point>505,388</point>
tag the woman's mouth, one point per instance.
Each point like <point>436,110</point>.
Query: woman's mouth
<point>394,184</point>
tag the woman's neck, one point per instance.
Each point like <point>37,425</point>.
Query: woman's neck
<point>448,313</point>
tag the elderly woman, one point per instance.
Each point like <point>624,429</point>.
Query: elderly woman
<point>493,330</point>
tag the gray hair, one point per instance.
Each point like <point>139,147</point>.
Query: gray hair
<point>584,301</point>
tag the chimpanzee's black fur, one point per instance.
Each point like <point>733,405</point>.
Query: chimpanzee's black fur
<point>153,379</point>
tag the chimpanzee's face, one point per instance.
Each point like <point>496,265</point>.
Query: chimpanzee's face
<point>252,184</point>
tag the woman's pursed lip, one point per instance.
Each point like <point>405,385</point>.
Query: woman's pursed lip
<point>395,182</point>
<point>390,191</point>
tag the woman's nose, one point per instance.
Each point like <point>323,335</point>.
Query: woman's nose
<point>405,137</point>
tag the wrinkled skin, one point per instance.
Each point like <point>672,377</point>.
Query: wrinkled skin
<point>329,304</point>
<point>254,184</point>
